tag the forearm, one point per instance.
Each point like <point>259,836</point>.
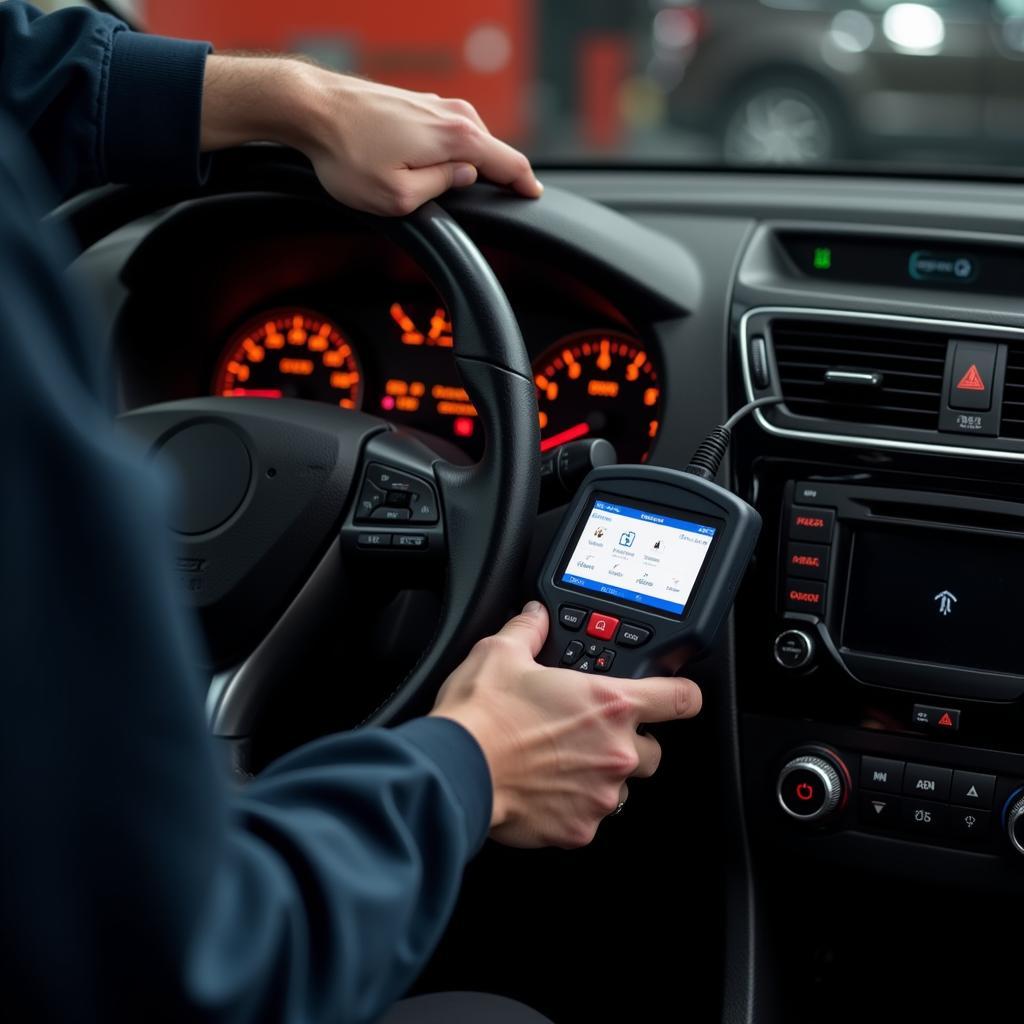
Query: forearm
<point>260,99</point>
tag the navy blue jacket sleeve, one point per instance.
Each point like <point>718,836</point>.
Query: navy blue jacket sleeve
<point>135,883</point>
<point>99,102</point>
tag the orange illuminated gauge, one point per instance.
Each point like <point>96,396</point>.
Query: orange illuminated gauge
<point>290,353</point>
<point>599,384</point>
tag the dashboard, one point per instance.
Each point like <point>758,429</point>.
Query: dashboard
<point>286,315</point>
<point>854,793</point>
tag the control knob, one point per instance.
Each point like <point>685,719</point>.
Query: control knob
<point>1015,821</point>
<point>812,787</point>
<point>794,649</point>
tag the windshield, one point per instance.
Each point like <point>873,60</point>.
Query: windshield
<point>753,83</point>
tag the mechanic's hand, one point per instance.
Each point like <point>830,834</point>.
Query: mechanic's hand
<point>374,147</point>
<point>560,744</point>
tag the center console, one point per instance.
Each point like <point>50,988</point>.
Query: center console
<point>880,696</point>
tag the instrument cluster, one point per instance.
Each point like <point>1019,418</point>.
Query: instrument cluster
<point>394,361</point>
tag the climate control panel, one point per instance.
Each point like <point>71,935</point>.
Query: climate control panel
<point>834,790</point>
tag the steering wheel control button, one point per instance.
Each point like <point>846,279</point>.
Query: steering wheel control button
<point>804,596</point>
<point>973,376</point>
<point>927,782</point>
<point>877,810</point>
<point>410,541</point>
<point>390,488</point>
<point>971,789</point>
<point>881,774</point>
<point>573,653</point>
<point>809,788</point>
<point>924,716</point>
<point>602,626</point>
<point>374,540</point>
<point>424,506</point>
<point>571,618</point>
<point>392,515</point>
<point>925,818</point>
<point>813,524</point>
<point>632,636</point>
<point>603,662</point>
<point>970,823</point>
<point>212,467</point>
<point>794,649</point>
<point>1014,817</point>
<point>370,499</point>
<point>809,561</point>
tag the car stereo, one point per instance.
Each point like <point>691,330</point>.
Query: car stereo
<point>908,589</point>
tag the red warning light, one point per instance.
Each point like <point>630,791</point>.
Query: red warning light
<point>971,380</point>
<point>804,791</point>
<point>945,721</point>
<point>463,426</point>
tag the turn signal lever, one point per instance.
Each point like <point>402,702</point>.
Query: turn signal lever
<point>563,470</point>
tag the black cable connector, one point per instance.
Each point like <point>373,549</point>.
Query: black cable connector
<point>707,459</point>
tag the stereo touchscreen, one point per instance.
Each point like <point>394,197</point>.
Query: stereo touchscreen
<point>640,556</point>
<point>945,597</point>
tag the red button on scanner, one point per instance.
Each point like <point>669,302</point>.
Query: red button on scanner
<point>602,626</point>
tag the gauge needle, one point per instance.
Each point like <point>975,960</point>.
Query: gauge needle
<point>580,430</point>
<point>255,393</point>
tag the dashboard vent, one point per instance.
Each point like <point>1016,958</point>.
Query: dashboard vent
<point>877,374</point>
<point>1013,394</point>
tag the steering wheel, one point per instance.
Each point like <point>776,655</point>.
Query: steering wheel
<point>286,508</point>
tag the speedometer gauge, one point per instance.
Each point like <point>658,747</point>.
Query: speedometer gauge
<point>290,353</point>
<point>598,384</point>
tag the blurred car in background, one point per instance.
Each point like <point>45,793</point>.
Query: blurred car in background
<point>816,81</point>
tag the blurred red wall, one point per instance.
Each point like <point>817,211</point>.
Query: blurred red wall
<point>481,50</point>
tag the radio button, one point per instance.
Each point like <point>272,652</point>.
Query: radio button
<point>879,811</point>
<point>804,596</point>
<point>925,818</point>
<point>807,560</point>
<point>970,823</point>
<point>972,789</point>
<point>881,774</point>
<point>813,524</point>
<point>810,494</point>
<point>632,636</point>
<point>926,782</point>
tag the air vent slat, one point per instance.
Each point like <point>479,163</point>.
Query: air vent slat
<point>911,364</point>
<point>1012,424</point>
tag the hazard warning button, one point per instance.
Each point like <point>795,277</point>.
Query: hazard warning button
<point>970,384</point>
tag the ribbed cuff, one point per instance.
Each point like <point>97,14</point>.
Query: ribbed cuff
<point>453,749</point>
<point>154,101</point>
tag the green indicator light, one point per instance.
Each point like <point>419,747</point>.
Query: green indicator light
<point>822,259</point>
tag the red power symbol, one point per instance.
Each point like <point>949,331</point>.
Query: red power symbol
<point>804,791</point>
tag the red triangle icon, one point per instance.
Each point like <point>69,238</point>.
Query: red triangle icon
<point>945,720</point>
<point>971,380</point>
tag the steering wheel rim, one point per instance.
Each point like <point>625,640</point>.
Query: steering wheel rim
<point>489,506</point>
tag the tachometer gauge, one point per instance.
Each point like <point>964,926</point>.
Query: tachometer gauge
<point>290,353</point>
<point>598,384</point>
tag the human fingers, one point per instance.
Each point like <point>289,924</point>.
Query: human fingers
<point>529,628</point>
<point>663,699</point>
<point>649,751</point>
<point>496,160</point>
